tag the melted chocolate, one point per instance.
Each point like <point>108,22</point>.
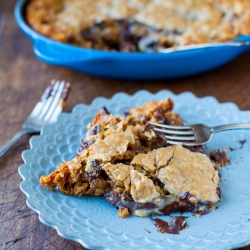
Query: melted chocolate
<point>185,205</point>
<point>177,206</point>
<point>156,142</point>
<point>104,111</point>
<point>219,157</point>
<point>159,141</point>
<point>127,196</point>
<point>157,182</point>
<point>125,200</point>
<point>200,149</point>
<point>186,197</point>
<point>182,205</point>
<point>96,173</point>
<point>162,138</point>
<point>218,191</point>
<point>201,208</point>
<point>147,206</point>
<point>115,35</point>
<point>112,198</point>
<point>173,227</point>
<point>88,35</point>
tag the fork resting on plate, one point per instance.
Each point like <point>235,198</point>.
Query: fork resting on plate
<point>46,111</point>
<point>193,135</point>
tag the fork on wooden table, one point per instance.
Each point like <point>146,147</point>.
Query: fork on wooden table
<point>46,111</point>
<point>193,135</point>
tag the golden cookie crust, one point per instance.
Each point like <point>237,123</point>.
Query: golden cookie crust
<point>177,22</point>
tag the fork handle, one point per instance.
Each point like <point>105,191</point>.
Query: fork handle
<point>12,141</point>
<point>229,127</point>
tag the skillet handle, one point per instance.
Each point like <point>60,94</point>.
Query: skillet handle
<point>63,54</point>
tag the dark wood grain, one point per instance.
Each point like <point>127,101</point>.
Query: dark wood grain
<point>22,80</point>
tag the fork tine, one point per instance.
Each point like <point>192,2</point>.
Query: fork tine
<point>171,126</point>
<point>184,143</point>
<point>175,132</point>
<point>55,101</point>
<point>49,101</point>
<point>61,103</point>
<point>48,91</point>
<point>40,105</point>
<point>49,106</point>
<point>177,135</point>
<point>181,138</point>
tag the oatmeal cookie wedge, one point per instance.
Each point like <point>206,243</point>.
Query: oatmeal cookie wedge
<point>109,139</point>
<point>135,169</point>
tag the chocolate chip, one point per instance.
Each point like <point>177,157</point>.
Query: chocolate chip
<point>112,198</point>
<point>177,206</point>
<point>104,111</point>
<point>44,22</point>
<point>87,35</point>
<point>161,117</point>
<point>95,130</point>
<point>126,113</point>
<point>147,127</point>
<point>171,104</point>
<point>96,173</point>
<point>84,146</point>
<point>71,39</point>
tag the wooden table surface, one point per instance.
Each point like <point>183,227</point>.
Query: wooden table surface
<point>22,80</point>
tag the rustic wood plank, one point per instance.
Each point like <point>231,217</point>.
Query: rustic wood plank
<point>7,6</point>
<point>22,80</point>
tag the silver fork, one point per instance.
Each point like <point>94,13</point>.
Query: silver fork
<point>193,135</point>
<point>46,111</point>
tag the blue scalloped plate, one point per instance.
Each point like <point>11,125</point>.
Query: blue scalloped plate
<point>127,65</point>
<point>94,223</point>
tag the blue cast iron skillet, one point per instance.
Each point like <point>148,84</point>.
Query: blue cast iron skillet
<point>127,65</point>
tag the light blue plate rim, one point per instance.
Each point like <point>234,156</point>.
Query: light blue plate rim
<point>185,102</point>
